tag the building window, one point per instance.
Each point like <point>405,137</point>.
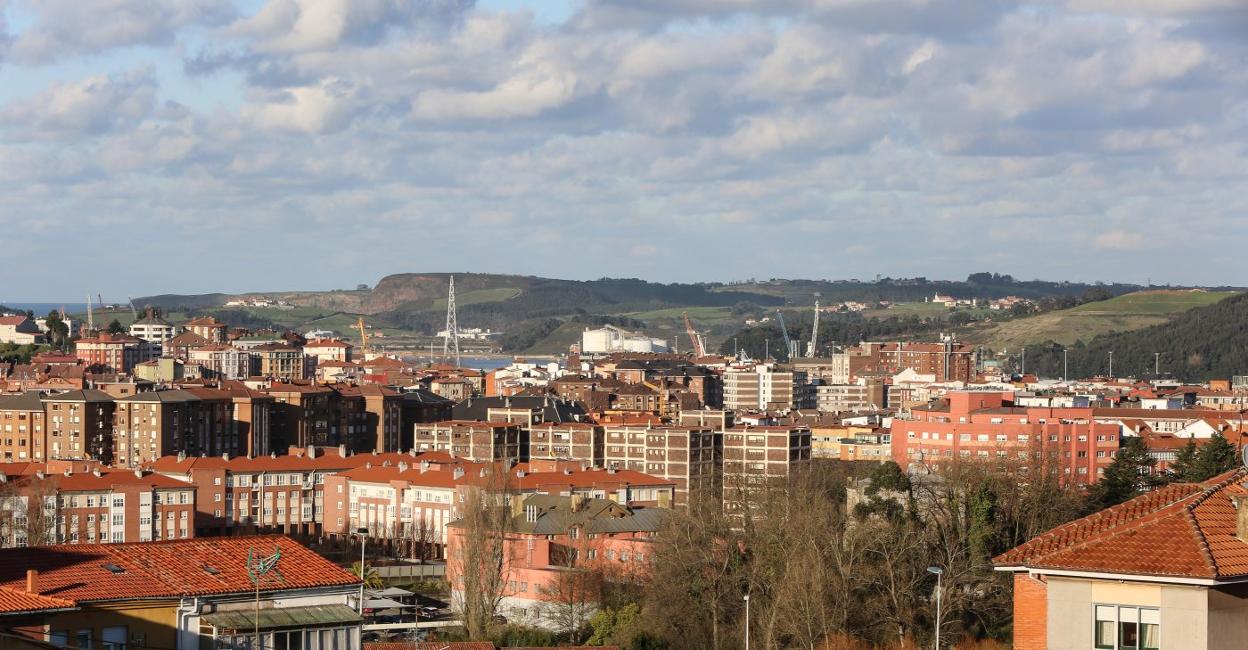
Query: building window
<point>1119,627</point>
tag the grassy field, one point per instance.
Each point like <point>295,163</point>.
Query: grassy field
<point>1132,311</point>
<point>904,309</point>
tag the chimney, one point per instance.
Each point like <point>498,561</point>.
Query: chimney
<point>402,466</point>
<point>424,466</point>
<point>225,456</point>
<point>181,456</point>
<point>342,451</point>
<point>1241,517</point>
<point>311,451</point>
<point>32,579</point>
<point>578,502</point>
<point>138,473</point>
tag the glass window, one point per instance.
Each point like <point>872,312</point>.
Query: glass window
<point>1104,632</point>
<point>1119,627</point>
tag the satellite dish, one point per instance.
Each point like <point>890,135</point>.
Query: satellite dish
<point>1243,454</point>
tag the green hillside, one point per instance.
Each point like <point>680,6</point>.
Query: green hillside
<point>1133,311</point>
<point>1205,342</point>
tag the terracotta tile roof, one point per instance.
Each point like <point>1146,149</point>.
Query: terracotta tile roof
<point>107,480</point>
<point>1181,530</point>
<point>168,569</point>
<point>19,601</point>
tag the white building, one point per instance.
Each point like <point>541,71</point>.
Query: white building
<point>614,339</point>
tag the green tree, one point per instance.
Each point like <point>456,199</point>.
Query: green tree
<point>1183,468</point>
<point>115,327</point>
<point>1214,457</point>
<point>372,580</point>
<point>58,331</point>
<point>1130,475</point>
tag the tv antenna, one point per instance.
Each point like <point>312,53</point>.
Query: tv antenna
<point>258,567</point>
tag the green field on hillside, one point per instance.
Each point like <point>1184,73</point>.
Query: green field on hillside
<point>1125,313</point>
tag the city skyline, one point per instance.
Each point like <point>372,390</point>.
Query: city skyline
<point>298,145</point>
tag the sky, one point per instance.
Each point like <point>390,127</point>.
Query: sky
<point>188,146</point>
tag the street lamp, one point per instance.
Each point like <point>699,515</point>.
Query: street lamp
<point>938,572</point>
<point>746,598</point>
<point>363,533</point>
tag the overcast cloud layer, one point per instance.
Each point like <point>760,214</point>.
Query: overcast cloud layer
<point>197,145</point>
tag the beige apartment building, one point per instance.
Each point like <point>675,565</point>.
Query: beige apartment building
<point>688,456</point>
<point>755,458</point>
<point>766,387</point>
<point>475,441</point>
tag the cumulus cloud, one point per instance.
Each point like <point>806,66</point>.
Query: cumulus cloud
<point>305,25</point>
<point>90,106</point>
<point>63,28</point>
<point>819,125</point>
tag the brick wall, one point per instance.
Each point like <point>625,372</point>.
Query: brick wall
<point>1030,613</point>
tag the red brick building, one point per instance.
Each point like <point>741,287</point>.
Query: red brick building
<point>985,426</point>
<point>115,353</point>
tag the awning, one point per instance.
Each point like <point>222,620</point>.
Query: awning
<point>313,615</point>
<point>383,603</point>
<point>389,592</point>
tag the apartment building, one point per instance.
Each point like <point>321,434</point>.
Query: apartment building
<point>112,353</point>
<point>947,360</point>
<point>690,457</point>
<point>755,458</point>
<point>222,362</point>
<point>832,369</point>
<point>847,398</point>
<point>985,426</point>
<point>79,425</point>
<point>577,441</point>
<point>149,425</point>
<point>367,418</point>
<point>550,535</point>
<point>275,493</point>
<point>302,414</point>
<point>767,386</point>
<point>94,506</point>
<point>282,361</point>
<point>328,350</point>
<point>207,327</point>
<point>22,428</point>
<point>155,330</point>
<point>251,418</point>
<point>470,440</point>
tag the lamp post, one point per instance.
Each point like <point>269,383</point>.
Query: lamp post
<point>938,572</point>
<point>363,533</point>
<point>746,598</point>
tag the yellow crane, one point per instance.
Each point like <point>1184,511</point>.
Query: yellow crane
<point>359,324</point>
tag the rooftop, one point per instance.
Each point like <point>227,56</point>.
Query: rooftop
<point>1182,530</point>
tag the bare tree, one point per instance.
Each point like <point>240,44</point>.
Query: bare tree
<point>479,559</point>
<point>573,597</point>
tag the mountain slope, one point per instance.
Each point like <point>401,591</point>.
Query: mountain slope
<point>1202,343</point>
<point>1128,312</point>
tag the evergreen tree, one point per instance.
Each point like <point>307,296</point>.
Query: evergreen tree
<point>115,327</point>
<point>1184,466</point>
<point>1130,475</point>
<point>1214,457</point>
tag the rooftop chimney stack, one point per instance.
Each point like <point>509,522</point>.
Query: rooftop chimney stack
<point>32,580</point>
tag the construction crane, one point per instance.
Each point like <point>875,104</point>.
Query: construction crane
<point>814,332</point>
<point>133,312</point>
<point>90,315</point>
<point>790,346</point>
<point>698,348</point>
<point>359,324</point>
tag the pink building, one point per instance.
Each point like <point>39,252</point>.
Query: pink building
<point>558,548</point>
<point>986,426</point>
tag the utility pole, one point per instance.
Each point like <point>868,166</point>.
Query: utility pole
<point>1065,375</point>
<point>938,572</point>
<point>747,621</point>
<point>1156,364</point>
<point>1024,370</point>
<point>1111,364</point>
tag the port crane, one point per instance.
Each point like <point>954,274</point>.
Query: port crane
<point>699,347</point>
<point>790,346</point>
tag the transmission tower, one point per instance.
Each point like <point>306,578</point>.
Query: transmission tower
<point>451,341</point>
